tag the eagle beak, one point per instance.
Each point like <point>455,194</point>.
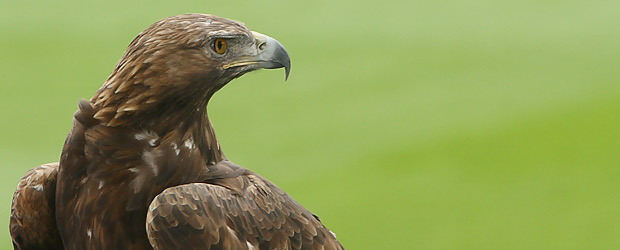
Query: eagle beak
<point>271,55</point>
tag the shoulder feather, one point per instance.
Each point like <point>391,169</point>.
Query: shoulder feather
<point>33,223</point>
<point>213,216</point>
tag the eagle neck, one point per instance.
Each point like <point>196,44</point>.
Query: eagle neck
<point>208,143</point>
<point>192,125</point>
<point>176,109</point>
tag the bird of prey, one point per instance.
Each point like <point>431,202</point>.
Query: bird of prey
<point>142,167</point>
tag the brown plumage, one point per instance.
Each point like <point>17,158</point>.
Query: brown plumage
<point>142,167</point>
<point>32,223</point>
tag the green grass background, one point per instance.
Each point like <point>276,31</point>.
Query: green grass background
<point>405,124</point>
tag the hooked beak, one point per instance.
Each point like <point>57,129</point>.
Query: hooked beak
<point>271,55</point>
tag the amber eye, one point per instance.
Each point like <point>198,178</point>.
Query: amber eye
<point>219,45</point>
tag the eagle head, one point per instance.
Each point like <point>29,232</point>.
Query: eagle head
<point>181,61</point>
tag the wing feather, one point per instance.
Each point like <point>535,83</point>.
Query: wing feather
<point>245,212</point>
<point>33,223</point>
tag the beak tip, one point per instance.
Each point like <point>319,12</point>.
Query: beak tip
<point>285,61</point>
<point>287,71</point>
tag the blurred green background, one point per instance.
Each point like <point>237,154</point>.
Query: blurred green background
<point>405,124</point>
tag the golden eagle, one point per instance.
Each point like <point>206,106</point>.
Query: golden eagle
<point>142,168</point>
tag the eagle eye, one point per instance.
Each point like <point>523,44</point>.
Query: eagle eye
<point>219,45</point>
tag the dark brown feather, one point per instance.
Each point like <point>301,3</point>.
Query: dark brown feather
<point>32,223</point>
<point>214,216</point>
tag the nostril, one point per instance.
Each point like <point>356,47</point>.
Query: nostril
<point>262,46</point>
